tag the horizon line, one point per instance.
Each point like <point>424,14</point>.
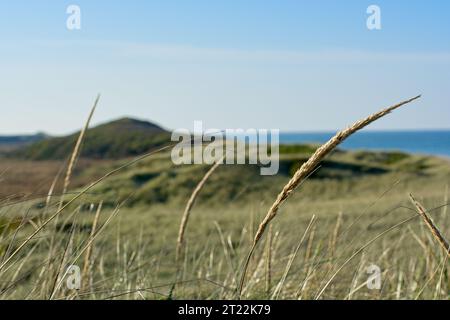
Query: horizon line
<point>320,131</point>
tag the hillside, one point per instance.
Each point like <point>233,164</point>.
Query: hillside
<point>114,140</point>
<point>157,180</point>
<point>361,194</point>
<point>9,143</point>
<point>345,174</point>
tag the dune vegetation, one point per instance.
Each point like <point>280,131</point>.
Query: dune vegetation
<point>140,227</point>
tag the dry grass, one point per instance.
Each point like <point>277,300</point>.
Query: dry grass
<point>189,205</point>
<point>24,180</point>
<point>76,150</point>
<point>430,224</point>
<point>63,206</point>
<point>71,201</point>
<point>133,257</point>
<point>306,169</point>
<point>87,265</point>
<point>185,218</point>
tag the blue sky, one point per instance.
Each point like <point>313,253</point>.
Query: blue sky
<point>292,65</point>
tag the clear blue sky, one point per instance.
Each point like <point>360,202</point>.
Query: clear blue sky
<point>292,65</point>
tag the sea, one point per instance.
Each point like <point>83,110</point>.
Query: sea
<point>430,142</point>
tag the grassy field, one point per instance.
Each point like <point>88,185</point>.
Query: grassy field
<point>353,212</point>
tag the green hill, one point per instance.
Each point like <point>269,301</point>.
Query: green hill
<point>9,143</point>
<point>344,174</point>
<point>114,140</point>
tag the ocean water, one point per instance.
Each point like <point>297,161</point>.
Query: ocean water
<point>418,142</point>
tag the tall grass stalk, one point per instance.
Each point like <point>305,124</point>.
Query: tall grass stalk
<point>430,224</point>
<point>189,205</point>
<point>303,172</point>
<point>76,150</point>
<point>87,265</point>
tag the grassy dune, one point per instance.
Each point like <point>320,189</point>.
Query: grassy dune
<point>354,197</point>
<point>119,224</point>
